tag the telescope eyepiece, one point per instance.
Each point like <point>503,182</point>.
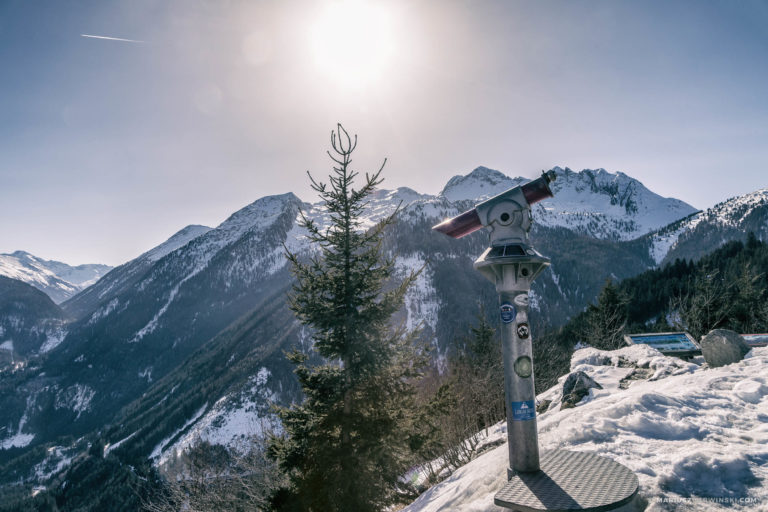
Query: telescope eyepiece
<point>538,189</point>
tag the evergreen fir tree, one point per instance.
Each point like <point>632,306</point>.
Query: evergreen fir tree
<point>346,445</point>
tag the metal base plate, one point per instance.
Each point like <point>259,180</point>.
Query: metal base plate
<point>570,481</point>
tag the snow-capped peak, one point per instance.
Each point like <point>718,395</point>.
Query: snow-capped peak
<point>259,215</point>
<point>607,205</point>
<point>479,184</point>
<point>59,280</point>
<point>179,239</point>
<point>257,212</point>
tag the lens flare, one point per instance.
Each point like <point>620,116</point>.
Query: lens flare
<point>352,42</point>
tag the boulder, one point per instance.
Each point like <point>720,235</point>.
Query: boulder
<point>721,347</point>
<point>576,387</point>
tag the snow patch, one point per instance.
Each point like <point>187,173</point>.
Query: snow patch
<point>55,461</point>
<point>421,304</point>
<point>103,311</point>
<point>19,439</point>
<point>53,340</point>
<point>109,447</point>
<point>77,398</point>
<point>146,373</point>
<point>152,325</point>
<point>232,420</point>
<point>158,450</point>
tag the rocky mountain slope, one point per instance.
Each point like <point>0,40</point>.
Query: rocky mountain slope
<point>121,278</point>
<point>703,232</point>
<point>59,280</point>
<point>29,322</point>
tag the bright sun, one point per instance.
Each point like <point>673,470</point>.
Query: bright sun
<point>352,42</point>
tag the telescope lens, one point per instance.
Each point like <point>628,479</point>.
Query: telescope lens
<point>464,224</point>
<point>537,190</point>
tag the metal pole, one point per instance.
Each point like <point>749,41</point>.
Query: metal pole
<point>513,285</point>
<point>519,390</point>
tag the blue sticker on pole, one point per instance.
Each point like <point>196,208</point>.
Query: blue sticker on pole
<point>508,313</point>
<point>523,411</point>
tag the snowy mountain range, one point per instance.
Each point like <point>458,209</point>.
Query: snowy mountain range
<point>59,280</point>
<point>186,341</point>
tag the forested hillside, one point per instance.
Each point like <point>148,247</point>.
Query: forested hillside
<point>727,288</point>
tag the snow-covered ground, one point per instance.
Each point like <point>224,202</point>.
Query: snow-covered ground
<point>697,438</point>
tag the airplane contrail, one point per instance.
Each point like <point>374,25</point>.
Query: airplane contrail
<point>112,38</point>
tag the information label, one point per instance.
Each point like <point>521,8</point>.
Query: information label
<point>508,313</point>
<point>523,411</point>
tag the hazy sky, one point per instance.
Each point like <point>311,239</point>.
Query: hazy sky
<point>108,147</point>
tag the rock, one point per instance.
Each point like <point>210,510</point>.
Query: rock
<point>721,347</point>
<point>634,376</point>
<point>542,406</point>
<point>576,387</point>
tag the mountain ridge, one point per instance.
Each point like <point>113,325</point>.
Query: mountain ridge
<point>59,280</point>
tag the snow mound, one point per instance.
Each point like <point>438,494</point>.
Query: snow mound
<point>697,438</point>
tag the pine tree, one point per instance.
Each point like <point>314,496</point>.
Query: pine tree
<point>346,445</point>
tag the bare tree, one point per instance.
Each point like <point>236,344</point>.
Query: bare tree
<point>211,478</point>
<point>605,322</point>
<point>704,306</point>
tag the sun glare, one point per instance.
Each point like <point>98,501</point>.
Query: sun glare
<point>352,42</point>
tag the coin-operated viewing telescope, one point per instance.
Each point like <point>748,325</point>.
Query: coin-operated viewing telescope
<point>559,480</point>
<point>512,264</point>
<point>507,214</point>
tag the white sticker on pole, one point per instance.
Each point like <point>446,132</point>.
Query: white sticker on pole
<point>522,300</point>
